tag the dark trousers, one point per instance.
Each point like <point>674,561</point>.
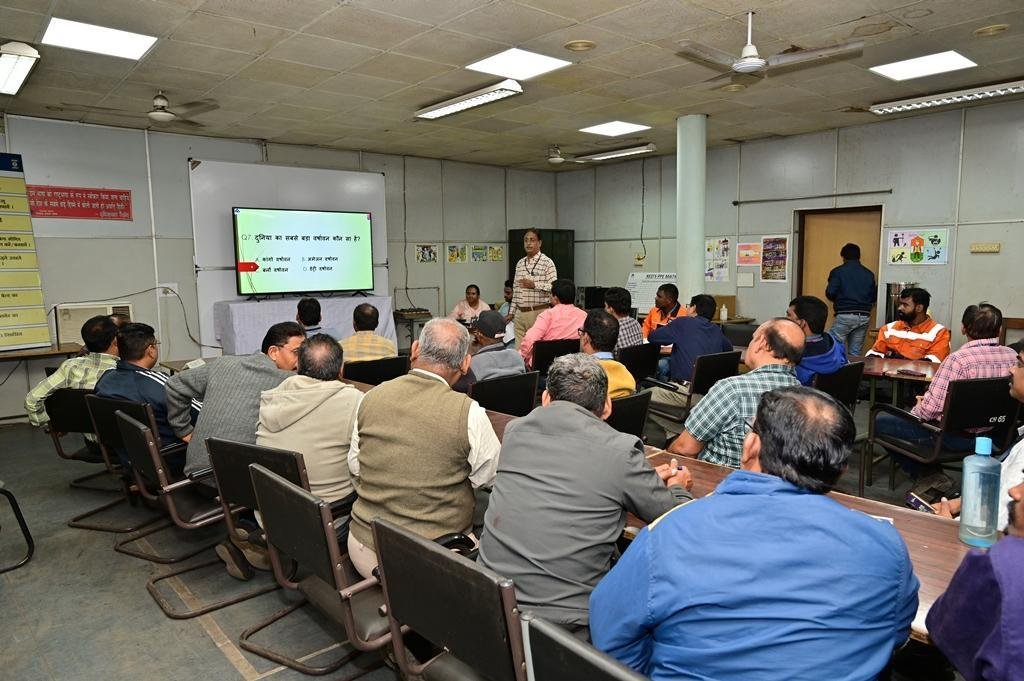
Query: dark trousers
<point>894,426</point>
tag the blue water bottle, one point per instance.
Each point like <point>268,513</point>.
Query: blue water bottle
<point>980,510</point>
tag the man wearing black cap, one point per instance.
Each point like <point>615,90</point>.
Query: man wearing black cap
<point>494,358</point>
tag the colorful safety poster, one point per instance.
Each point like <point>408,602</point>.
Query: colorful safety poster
<point>426,252</point>
<point>457,253</point>
<point>495,253</point>
<point>748,254</point>
<point>22,315</point>
<point>775,258</point>
<point>479,253</point>
<point>716,259</point>
<point>917,246</point>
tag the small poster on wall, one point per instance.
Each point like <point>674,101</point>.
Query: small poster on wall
<point>716,259</point>
<point>748,254</point>
<point>479,253</point>
<point>495,253</point>
<point>457,253</point>
<point>426,252</point>
<point>917,246</point>
<point>775,258</point>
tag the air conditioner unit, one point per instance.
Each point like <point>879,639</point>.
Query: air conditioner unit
<point>71,316</point>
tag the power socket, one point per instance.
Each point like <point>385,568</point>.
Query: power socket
<point>168,290</point>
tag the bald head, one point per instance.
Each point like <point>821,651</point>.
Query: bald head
<point>777,341</point>
<point>320,357</point>
<point>443,349</point>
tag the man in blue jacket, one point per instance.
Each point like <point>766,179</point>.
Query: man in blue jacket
<point>768,578</point>
<point>852,290</point>
<point>823,354</point>
<point>134,379</point>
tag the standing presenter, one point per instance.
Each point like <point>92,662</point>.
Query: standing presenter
<point>531,285</point>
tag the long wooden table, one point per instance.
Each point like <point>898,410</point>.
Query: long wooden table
<point>885,367</point>
<point>62,350</point>
<point>933,542</point>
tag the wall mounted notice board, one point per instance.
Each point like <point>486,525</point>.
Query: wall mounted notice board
<point>217,186</point>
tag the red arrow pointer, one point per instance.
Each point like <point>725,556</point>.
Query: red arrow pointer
<point>244,266</point>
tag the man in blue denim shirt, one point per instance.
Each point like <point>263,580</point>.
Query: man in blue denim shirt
<point>852,290</point>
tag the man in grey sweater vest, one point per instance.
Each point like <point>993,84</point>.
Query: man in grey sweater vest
<point>566,480</point>
<point>229,388</point>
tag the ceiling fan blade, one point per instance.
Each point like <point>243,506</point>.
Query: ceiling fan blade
<point>803,56</point>
<point>185,123</point>
<point>720,77</point>
<point>706,53</point>
<point>190,109</point>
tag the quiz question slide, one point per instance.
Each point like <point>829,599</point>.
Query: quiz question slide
<point>296,251</point>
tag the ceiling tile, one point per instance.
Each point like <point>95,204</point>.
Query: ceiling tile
<point>384,113</point>
<point>286,72</point>
<point>230,34</point>
<point>449,47</point>
<point>656,19</point>
<point>299,113</point>
<point>37,6</point>
<point>140,16</point>
<point>493,125</point>
<point>574,78</point>
<point>684,75</point>
<point>293,14</point>
<point>579,10</point>
<point>638,60</point>
<point>40,94</point>
<point>397,67</point>
<point>365,27</point>
<point>361,86</point>
<point>303,138</point>
<point>416,96</point>
<point>553,44</point>
<point>433,13</point>
<point>329,101</point>
<point>72,80</point>
<point>254,89</point>
<point>198,57</point>
<point>579,101</point>
<point>508,22</point>
<point>458,81</point>
<point>729,35</point>
<point>24,26</point>
<point>84,62</point>
<point>629,88</point>
<point>170,77</point>
<point>798,17</point>
<point>323,52</point>
<point>932,14</point>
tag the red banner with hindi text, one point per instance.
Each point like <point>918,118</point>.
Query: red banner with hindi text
<point>82,203</point>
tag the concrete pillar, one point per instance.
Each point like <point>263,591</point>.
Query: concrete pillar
<point>691,162</point>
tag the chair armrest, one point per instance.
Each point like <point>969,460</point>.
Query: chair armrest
<point>175,448</point>
<point>196,476</point>
<point>359,587</point>
<point>902,414</point>
<point>661,384</point>
<point>456,541</point>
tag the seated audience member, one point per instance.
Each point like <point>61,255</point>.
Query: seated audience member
<point>1012,468</point>
<point>561,321</point>
<point>914,334</point>
<point>505,307</point>
<point>619,303</point>
<point>364,345</point>
<point>494,359</point>
<point>134,379</point>
<point>691,335</point>
<point>308,315</point>
<point>229,388</point>
<point>419,448</point>
<point>470,307</point>
<point>666,308</point>
<point>980,357</point>
<point>978,623</point>
<point>100,337</point>
<point>715,427</point>
<point>768,578</point>
<point>312,413</point>
<point>597,337</point>
<point>565,483</point>
<point>823,354</point>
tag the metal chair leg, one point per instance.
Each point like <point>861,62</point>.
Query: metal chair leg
<point>78,521</point>
<point>291,662</point>
<point>173,613</point>
<point>121,547</point>
<point>31,545</point>
<point>79,483</point>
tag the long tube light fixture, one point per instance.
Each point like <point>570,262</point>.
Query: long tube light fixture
<point>491,93</point>
<point>16,61</point>
<point>618,153</point>
<point>947,98</point>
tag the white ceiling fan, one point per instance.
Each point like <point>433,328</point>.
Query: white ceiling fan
<point>750,63</point>
<point>555,156</point>
<point>160,114</point>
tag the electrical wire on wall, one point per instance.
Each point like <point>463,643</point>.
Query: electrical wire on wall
<point>405,234</point>
<point>181,303</point>
<point>11,372</point>
<point>643,203</point>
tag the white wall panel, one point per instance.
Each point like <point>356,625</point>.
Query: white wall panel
<point>530,199</point>
<point>393,169</point>
<point>916,157</point>
<point>174,265</point>
<point>803,165</point>
<point>991,277</point>
<point>993,178</point>
<point>576,203</point>
<point>614,261</point>
<point>423,199</point>
<point>312,157</point>
<point>668,196</point>
<point>722,170</point>
<point>584,264</point>
<point>617,201</point>
<point>473,201</point>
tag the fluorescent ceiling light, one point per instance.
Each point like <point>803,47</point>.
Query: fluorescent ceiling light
<point>518,64</point>
<point>16,60</point>
<point>928,65</point>
<point>615,128</point>
<point>99,39</point>
<point>491,93</point>
<point>618,153</point>
<point>946,98</point>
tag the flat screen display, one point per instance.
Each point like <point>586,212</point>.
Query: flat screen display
<point>302,251</point>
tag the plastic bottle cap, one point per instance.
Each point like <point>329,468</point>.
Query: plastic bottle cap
<point>983,446</point>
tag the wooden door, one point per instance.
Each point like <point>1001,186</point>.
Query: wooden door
<point>823,234</point>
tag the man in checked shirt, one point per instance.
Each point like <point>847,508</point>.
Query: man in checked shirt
<point>980,357</point>
<point>531,284</point>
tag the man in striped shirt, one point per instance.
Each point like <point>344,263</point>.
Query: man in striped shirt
<point>531,284</point>
<point>980,357</point>
<point>619,304</point>
<point>100,336</point>
<point>134,379</point>
<point>365,345</point>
